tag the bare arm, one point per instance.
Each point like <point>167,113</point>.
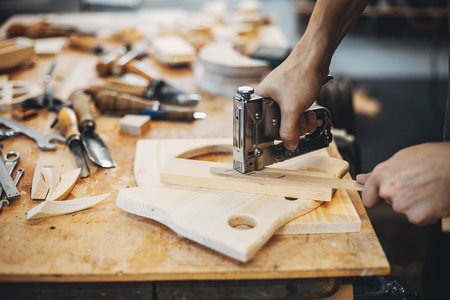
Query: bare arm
<point>295,84</point>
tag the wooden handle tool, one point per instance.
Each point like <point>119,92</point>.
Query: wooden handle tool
<point>109,100</point>
<point>81,103</point>
<point>68,123</point>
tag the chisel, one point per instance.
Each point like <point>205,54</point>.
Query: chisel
<point>68,123</point>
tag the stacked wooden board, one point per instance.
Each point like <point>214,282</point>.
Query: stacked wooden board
<point>215,218</point>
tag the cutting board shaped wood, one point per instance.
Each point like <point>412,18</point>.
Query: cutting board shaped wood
<point>233,223</point>
<point>336,216</point>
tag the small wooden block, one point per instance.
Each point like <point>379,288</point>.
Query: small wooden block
<point>134,124</point>
<point>173,50</point>
<point>22,114</point>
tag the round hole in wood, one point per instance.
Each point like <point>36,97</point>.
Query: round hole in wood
<point>290,198</point>
<point>242,221</point>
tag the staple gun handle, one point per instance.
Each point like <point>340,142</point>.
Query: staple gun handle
<point>256,127</point>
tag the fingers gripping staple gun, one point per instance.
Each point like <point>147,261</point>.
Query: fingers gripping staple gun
<point>256,126</point>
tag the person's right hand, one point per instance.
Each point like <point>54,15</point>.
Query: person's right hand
<point>294,87</point>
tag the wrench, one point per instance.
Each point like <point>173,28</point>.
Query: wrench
<point>43,140</point>
<point>6,201</point>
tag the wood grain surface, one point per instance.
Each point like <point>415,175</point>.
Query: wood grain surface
<point>104,243</point>
<point>227,220</point>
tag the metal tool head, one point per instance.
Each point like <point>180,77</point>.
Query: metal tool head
<point>256,125</point>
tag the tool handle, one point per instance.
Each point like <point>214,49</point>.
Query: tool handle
<point>84,43</point>
<point>170,115</point>
<point>68,122</point>
<point>105,63</point>
<point>109,100</point>
<point>81,103</point>
<point>139,68</point>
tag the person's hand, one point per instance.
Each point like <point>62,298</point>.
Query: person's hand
<point>415,181</point>
<point>294,88</point>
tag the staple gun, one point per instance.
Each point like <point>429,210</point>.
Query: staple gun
<point>256,124</point>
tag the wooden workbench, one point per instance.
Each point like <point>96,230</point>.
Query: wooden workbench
<point>106,244</point>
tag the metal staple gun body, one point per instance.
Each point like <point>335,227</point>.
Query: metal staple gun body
<point>256,124</point>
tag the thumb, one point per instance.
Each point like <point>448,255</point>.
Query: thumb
<point>362,178</point>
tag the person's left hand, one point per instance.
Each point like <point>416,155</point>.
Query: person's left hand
<point>415,181</point>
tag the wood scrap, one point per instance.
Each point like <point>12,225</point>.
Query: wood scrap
<point>65,186</point>
<point>134,125</point>
<point>55,208</point>
<point>23,114</point>
<point>197,174</point>
<point>173,50</point>
<point>39,188</point>
<point>52,178</point>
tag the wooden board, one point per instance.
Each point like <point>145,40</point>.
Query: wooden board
<point>198,174</point>
<point>236,224</point>
<point>339,215</point>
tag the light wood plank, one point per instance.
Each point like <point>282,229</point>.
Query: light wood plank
<point>275,176</point>
<point>151,156</point>
<point>197,173</point>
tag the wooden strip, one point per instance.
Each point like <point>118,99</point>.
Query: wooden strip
<point>197,174</point>
<point>55,208</point>
<point>275,176</point>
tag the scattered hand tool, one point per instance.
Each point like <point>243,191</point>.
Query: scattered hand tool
<point>7,201</point>
<point>256,126</point>
<point>158,88</point>
<point>113,101</point>
<point>6,181</point>
<point>11,161</point>
<point>47,99</point>
<point>96,149</point>
<point>43,140</point>
<point>68,121</point>
<point>41,29</point>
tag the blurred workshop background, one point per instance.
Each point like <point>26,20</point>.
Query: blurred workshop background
<point>389,90</point>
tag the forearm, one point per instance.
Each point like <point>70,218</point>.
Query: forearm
<point>330,22</point>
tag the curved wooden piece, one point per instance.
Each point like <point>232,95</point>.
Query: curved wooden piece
<point>212,217</point>
<point>65,186</point>
<point>56,208</point>
<point>152,155</point>
<point>12,93</point>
